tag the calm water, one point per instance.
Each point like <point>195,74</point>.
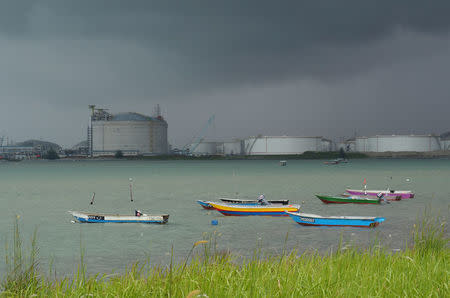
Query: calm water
<point>42,192</point>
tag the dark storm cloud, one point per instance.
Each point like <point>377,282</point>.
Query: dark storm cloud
<point>293,62</point>
<point>224,43</point>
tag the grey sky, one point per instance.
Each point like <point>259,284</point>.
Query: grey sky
<point>328,68</point>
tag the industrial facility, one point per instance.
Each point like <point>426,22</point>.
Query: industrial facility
<point>262,145</point>
<point>130,133</point>
<point>284,145</point>
<point>394,143</point>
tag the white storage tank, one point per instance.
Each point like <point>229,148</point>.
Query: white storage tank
<point>203,148</point>
<point>282,145</point>
<point>445,141</point>
<point>230,147</point>
<point>327,145</point>
<point>361,144</point>
<point>399,143</point>
<point>131,133</point>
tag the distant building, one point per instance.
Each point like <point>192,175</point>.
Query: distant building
<point>28,149</point>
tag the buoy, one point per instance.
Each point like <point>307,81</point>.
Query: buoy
<point>214,222</point>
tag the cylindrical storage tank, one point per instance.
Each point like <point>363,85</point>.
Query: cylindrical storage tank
<point>204,148</point>
<point>131,133</point>
<point>232,148</point>
<point>327,145</point>
<point>283,145</point>
<point>445,141</point>
<point>399,143</point>
<point>361,144</point>
<point>445,145</point>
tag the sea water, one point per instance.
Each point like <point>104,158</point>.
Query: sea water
<point>41,192</point>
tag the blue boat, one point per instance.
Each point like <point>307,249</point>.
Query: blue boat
<point>306,219</point>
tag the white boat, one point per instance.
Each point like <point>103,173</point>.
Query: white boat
<point>91,217</point>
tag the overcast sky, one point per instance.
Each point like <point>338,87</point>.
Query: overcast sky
<point>303,68</point>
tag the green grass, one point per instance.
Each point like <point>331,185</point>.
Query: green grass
<point>420,270</point>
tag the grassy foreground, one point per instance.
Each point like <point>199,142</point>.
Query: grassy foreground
<point>422,269</point>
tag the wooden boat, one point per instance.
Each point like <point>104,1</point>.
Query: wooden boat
<point>205,204</point>
<point>245,210</point>
<point>252,202</point>
<point>90,217</point>
<point>388,193</point>
<point>349,200</point>
<point>306,219</point>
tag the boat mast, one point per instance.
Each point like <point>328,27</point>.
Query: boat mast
<point>131,189</point>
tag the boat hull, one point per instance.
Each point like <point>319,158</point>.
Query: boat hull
<point>254,210</point>
<point>253,202</point>
<point>390,195</point>
<point>348,200</point>
<point>335,221</point>
<point>84,217</point>
<point>205,205</point>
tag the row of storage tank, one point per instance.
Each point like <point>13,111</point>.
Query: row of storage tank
<point>262,145</point>
<point>138,134</point>
<point>285,145</point>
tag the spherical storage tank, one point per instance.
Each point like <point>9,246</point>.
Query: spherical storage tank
<point>283,145</point>
<point>131,133</point>
<point>416,143</point>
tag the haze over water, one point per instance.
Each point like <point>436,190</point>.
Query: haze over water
<point>42,192</point>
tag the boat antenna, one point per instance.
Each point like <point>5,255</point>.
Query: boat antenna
<point>92,200</point>
<point>131,189</point>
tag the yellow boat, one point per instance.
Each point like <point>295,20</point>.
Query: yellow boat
<point>245,210</point>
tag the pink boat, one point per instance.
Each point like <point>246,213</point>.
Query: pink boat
<point>388,193</point>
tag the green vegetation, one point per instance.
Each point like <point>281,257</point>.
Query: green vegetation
<point>118,154</point>
<point>422,269</point>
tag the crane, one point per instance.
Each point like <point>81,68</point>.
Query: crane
<point>198,138</point>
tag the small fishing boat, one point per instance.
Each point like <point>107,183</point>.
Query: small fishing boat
<point>349,200</point>
<point>205,204</point>
<point>306,219</point>
<point>252,202</point>
<point>335,161</point>
<point>245,210</point>
<point>388,193</point>
<point>138,217</point>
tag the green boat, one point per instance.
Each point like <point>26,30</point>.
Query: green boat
<point>349,200</point>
